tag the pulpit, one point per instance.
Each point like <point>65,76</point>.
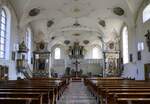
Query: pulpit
<point>21,61</point>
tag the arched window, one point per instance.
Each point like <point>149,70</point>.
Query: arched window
<point>146,13</point>
<point>28,43</point>
<point>57,53</point>
<point>95,53</point>
<point>4,38</point>
<point>125,45</point>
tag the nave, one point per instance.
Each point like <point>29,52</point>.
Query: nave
<point>74,51</point>
<point>77,93</point>
<point>93,90</point>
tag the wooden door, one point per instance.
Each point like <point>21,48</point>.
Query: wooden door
<point>147,71</point>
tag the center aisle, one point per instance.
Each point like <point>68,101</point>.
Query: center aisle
<point>77,93</point>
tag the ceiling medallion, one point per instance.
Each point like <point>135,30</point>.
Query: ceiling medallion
<point>76,10</point>
<point>86,42</point>
<point>76,34</point>
<point>67,42</point>
<point>118,11</point>
<point>53,37</point>
<point>76,24</point>
<point>99,37</point>
<point>111,45</point>
<point>102,23</point>
<point>50,23</point>
<point>34,12</point>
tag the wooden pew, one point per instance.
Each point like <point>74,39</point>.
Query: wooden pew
<point>63,83</point>
<point>112,95</point>
<point>142,97</point>
<point>115,90</point>
<point>25,96</point>
<point>28,88</point>
<point>49,88</point>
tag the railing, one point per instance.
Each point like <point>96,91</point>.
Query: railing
<point>27,71</point>
<point>93,61</point>
<point>61,62</point>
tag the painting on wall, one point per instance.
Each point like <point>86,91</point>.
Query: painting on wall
<point>139,55</point>
<point>131,57</point>
<point>13,57</point>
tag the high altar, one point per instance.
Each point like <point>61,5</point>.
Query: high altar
<point>75,53</point>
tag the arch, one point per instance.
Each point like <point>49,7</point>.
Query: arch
<point>146,13</point>
<point>125,44</point>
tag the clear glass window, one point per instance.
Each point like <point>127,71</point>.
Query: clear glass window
<point>57,53</point>
<point>125,45</point>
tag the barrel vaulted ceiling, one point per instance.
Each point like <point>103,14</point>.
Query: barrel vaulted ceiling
<point>67,14</point>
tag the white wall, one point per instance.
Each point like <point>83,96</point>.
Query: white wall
<point>141,30</point>
<point>95,69</point>
<point>16,36</point>
<point>137,34</point>
<point>13,40</point>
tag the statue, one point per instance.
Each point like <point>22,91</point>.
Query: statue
<point>22,46</point>
<point>148,39</point>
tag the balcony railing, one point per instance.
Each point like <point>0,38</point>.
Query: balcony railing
<point>62,62</point>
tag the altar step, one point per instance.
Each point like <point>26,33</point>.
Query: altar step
<point>76,79</point>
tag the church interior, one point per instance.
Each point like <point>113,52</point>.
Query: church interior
<point>74,51</point>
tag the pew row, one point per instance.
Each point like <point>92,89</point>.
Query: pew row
<point>119,91</point>
<point>42,91</point>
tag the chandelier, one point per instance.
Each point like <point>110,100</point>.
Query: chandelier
<point>76,51</point>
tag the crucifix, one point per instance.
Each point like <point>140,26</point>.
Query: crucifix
<point>76,65</point>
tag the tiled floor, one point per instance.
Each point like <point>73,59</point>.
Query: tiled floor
<point>77,93</point>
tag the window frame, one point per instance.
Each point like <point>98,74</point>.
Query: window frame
<point>55,57</point>
<point>98,53</point>
<point>146,13</point>
<point>125,51</point>
<point>5,37</point>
